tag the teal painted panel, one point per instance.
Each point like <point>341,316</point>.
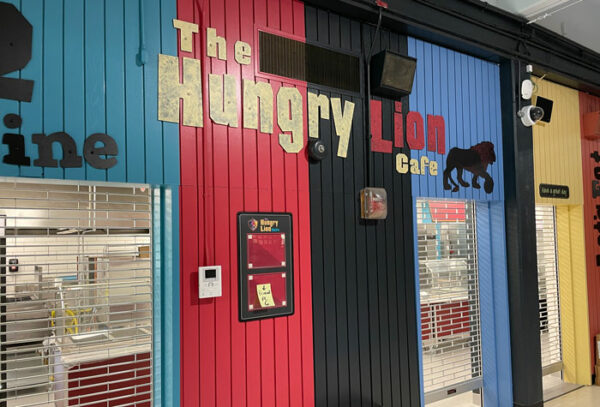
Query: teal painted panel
<point>74,74</point>
<point>166,293</point>
<point>33,113</point>
<point>87,80</point>
<point>7,107</point>
<point>170,135</point>
<point>170,294</point>
<point>158,271</point>
<point>134,108</point>
<point>115,82</point>
<point>95,96</point>
<point>154,140</point>
<point>52,92</point>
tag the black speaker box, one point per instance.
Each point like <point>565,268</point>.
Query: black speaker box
<point>545,104</point>
<point>392,74</point>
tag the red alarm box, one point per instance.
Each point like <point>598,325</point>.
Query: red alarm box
<point>373,203</point>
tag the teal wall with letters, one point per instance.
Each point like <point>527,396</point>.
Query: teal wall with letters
<point>88,79</point>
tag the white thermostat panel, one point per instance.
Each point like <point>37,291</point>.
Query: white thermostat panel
<point>209,281</point>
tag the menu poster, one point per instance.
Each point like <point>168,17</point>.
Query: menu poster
<point>266,280</point>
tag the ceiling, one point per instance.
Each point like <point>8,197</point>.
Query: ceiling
<point>574,19</point>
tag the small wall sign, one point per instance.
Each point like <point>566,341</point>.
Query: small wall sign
<point>266,284</point>
<point>554,191</point>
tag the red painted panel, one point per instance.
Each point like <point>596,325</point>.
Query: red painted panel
<point>226,363</point>
<point>588,103</point>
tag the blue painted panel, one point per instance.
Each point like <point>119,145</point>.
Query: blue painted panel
<point>486,305</point>
<point>464,90</point>
<point>494,309</point>
<point>501,305</point>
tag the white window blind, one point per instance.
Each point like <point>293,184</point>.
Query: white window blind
<point>76,317</point>
<point>449,297</point>
<point>548,289</point>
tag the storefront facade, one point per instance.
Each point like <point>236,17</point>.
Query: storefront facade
<point>89,88</point>
<point>213,109</point>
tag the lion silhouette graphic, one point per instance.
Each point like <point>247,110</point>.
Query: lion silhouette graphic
<point>475,160</point>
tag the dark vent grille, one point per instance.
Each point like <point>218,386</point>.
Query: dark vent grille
<point>317,65</point>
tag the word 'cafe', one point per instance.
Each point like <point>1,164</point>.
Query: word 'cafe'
<point>258,106</point>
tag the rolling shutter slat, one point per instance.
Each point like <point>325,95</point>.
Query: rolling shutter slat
<point>76,321</point>
<point>449,294</point>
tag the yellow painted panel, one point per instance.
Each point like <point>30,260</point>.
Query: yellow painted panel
<point>573,294</point>
<point>557,145</point>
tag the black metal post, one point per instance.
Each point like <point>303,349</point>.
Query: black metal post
<point>521,242</point>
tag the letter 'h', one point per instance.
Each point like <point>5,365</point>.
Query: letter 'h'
<point>170,91</point>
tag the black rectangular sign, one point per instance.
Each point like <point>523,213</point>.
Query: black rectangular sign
<point>554,191</point>
<point>266,265</point>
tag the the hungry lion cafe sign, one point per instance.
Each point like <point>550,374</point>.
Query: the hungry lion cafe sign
<point>258,104</point>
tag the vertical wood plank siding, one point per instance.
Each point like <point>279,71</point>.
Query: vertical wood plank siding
<point>557,145</point>
<point>365,329</point>
<point>574,321</point>
<point>466,91</point>
<point>557,161</point>
<point>226,170</point>
<point>588,103</point>
<point>87,81</point>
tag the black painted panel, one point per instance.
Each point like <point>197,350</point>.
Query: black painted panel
<point>521,243</point>
<point>365,332</point>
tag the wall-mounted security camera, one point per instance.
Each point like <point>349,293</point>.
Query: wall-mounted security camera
<point>317,150</point>
<point>527,88</point>
<point>530,115</point>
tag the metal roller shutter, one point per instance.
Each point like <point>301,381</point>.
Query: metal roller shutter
<point>549,303</point>
<point>449,295</point>
<point>76,317</point>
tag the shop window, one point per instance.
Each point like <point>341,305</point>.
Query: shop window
<point>548,289</point>
<point>76,320</point>
<point>449,298</point>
